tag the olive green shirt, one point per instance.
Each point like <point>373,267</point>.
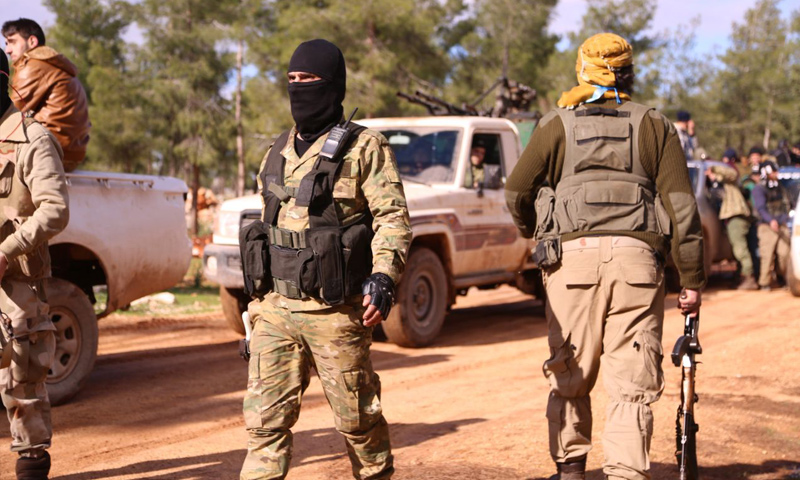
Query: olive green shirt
<point>661,156</point>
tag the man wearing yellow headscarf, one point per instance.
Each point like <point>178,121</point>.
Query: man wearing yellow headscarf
<point>604,187</point>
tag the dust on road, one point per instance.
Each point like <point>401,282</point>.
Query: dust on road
<point>164,401</point>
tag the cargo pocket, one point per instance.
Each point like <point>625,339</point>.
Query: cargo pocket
<point>614,205</point>
<point>558,368</point>
<point>644,274</point>
<point>651,376</point>
<point>580,277</point>
<point>359,407</point>
<point>6,174</point>
<point>258,412</point>
<point>35,265</point>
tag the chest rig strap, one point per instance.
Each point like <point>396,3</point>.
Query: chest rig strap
<point>324,261</point>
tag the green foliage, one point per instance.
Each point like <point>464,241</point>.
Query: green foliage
<point>166,106</point>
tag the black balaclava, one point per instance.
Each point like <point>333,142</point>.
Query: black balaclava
<point>5,100</point>
<point>317,106</point>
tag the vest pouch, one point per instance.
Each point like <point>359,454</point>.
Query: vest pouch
<point>286,264</point>
<point>253,247</point>
<point>614,205</point>
<point>603,144</point>
<point>545,208</point>
<point>357,252</point>
<point>328,255</point>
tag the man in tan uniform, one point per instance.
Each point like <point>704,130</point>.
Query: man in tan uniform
<point>49,89</point>
<point>33,208</point>
<point>324,262</point>
<point>617,198</point>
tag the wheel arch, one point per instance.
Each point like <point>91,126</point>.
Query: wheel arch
<point>83,267</point>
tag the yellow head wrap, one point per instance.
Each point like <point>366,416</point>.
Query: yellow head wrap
<point>598,58</point>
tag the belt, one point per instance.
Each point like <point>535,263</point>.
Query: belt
<point>585,243</point>
<point>287,238</point>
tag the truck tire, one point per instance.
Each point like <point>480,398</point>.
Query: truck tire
<point>792,278</point>
<point>234,303</point>
<point>418,316</point>
<point>76,339</point>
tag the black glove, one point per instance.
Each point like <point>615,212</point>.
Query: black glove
<point>381,290</point>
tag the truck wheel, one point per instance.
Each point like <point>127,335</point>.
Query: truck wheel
<point>76,340</point>
<point>234,304</point>
<point>418,316</point>
<point>793,279</point>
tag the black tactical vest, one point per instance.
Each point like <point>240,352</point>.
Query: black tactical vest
<point>328,261</point>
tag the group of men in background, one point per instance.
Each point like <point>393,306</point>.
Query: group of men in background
<point>754,205</point>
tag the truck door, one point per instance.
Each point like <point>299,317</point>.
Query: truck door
<point>489,236</point>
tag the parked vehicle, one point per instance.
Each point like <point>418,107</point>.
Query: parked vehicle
<point>793,265</point>
<point>126,233</point>
<point>462,236</point>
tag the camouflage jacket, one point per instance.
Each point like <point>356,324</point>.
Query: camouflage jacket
<point>368,179</point>
<point>34,205</point>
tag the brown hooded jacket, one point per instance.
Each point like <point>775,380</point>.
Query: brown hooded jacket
<point>48,87</point>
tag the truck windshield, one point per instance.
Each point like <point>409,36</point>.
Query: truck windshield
<point>427,155</point>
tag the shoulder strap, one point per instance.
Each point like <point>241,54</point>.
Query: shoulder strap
<point>273,174</point>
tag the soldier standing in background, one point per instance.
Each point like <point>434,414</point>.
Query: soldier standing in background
<point>33,208</point>
<point>324,294</point>
<point>618,193</point>
<point>772,208</point>
<point>49,89</point>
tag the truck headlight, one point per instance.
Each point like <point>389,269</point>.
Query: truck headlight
<point>228,224</point>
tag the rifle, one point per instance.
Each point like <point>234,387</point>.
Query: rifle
<point>686,429</point>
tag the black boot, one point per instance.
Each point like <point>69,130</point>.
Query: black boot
<point>33,468</point>
<point>575,470</point>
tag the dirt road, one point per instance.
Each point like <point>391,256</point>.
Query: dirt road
<point>164,401</point>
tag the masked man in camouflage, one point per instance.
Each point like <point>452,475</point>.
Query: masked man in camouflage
<point>33,208</point>
<point>618,199</point>
<point>336,234</point>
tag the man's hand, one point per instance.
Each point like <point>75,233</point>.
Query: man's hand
<point>378,290</point>
<point>689,301</point>
<point>774,225</point>
<point>3,265</point>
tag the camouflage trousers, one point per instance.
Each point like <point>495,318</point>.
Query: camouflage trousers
<point>22,384</point>
<point>285,346</point>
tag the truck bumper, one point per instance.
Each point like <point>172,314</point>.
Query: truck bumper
<point>223,264</point>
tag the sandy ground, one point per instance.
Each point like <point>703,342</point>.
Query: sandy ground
<point>164,401</point>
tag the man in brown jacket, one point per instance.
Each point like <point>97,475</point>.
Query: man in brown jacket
<point>47,87</point>
<point>33,208</point>
<point>618,199</point>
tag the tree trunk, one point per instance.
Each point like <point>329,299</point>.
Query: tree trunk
<point>195,189</point>
<point>240,174</point>
<point>768,125</point>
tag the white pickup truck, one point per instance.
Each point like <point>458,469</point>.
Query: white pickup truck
<point>463,235</point>
<point>127,233</point>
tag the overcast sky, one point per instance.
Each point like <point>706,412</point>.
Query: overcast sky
<point>716,17</point>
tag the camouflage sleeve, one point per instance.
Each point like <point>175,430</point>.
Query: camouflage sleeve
<point>383,190</point>
<point>259,183</point>
<point>42,171</point>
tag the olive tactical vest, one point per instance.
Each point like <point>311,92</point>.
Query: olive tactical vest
<point>16,206</point>
<point>603,185</point>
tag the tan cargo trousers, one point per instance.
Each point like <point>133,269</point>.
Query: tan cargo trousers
<point>285,347</point>
<point>773,247</point>
<point>22,384</point>
<point>605,301</point>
